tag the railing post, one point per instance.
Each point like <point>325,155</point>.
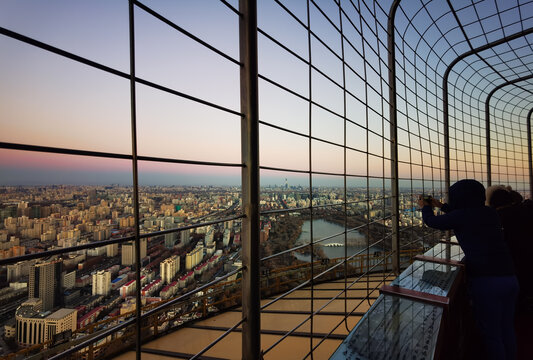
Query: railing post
<point>530,153</point>
<point>135,181</point>
<point>251,312</point>
<point>394,141</point>
<point>487,139</point>
<point>446,126</point>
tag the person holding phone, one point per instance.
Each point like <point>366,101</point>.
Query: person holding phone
<point>492,283</point>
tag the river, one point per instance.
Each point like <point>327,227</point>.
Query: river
<point>322,229</point>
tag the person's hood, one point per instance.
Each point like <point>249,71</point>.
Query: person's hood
<point>466,193</point>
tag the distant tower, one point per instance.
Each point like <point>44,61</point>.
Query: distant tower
<point>286,184</point>
<point>92,196</point>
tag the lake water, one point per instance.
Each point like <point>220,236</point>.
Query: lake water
<point>322,229</point>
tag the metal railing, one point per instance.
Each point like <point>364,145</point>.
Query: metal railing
<point>392,135</point>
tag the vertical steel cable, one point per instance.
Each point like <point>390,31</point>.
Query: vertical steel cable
<point>345,171</point>
<point>367,193</point>
<point>530,153</point>
<point>311,178</point>
<point>383,197</point>
<point>135,181</point>
<point>446,129</point>
<point>410,147</point>
<point>367,210</point>
<point>394,140</point>
<point>487,141</point>
<point>251,292</point>
<point>422,176</point>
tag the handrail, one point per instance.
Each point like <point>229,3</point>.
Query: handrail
<point>424,300</point>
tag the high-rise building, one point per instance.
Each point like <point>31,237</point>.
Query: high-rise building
<point>194,257</point>
<point>97,251</point>
<point>226,237</point>
<point>185,236</point>
<point>45,283</point>
<point>15,271</point>
<point>168,268</point>
<point>111,250</point>
<point>209,237</point>
<point>13,241</point>
<point>69,280</point>
<point>228,225</point>
<point>102,283</point>
<point>91,196</point>
<point>170,240</point>
<point>128,252</point>
<point>101,234</point>
<point>35,212</point>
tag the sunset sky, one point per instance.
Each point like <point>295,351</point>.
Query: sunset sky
<point>53,101</point>
<point>49,100</point>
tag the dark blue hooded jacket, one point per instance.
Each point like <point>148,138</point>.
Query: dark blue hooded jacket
<point>477,228</point>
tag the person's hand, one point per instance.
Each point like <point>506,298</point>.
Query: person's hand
<point>436,203</point>
<point>421,202</point>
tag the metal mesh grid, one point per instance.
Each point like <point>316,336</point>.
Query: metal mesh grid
<point>346,74</point>
<point>332,74</point>
<point>477,83</point>
<point>140,92</point>
<point>509,147</point>
<point>446,31</point>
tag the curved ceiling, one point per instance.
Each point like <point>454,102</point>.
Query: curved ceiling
<point>486,48</point>
<point>432,34</point>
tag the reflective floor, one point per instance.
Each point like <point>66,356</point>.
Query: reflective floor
<point>277,319</point>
